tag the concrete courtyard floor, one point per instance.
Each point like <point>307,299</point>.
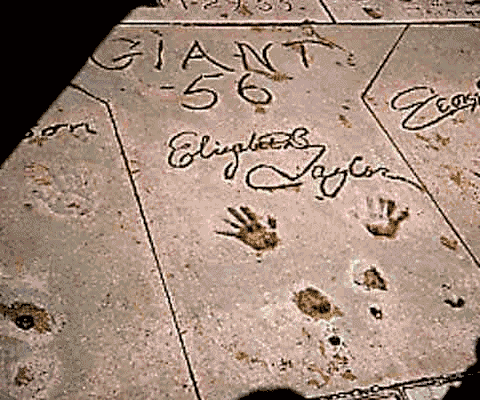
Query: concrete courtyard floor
<point>233,195</point>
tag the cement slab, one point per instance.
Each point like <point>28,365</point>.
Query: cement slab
<point>375,11</point>
<point>298,246</point>
<point>230,10</point>
<point>428,98</point>
<point>82,310</point>
<point>366,11</point>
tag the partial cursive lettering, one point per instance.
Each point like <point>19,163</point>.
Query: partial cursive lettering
<point>431,103</point>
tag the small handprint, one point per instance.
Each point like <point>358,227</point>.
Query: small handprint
<point>387,224</point>
<point>65,192</point>
<point>251,231</point>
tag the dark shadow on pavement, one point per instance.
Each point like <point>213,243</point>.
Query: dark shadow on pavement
<point>469,388</point>
<point>43,49</point>
<point>272,394</point>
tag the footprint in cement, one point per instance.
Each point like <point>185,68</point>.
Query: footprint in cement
<point>317,306</point>
<point>26,316</point>
<point>250,231</point>
<point>386,219</point>
<point>372,279</point>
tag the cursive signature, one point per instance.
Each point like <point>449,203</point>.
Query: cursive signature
<point>431,102</point>
<point>329,183</point>
<point>186,147</point>
<point>290,178</point>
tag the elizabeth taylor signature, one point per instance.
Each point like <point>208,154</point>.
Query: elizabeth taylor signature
<point>329,183</point>
<point>186,147</point>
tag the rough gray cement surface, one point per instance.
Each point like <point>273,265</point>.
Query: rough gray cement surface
<point>336,11</point>
<point>211,209</point>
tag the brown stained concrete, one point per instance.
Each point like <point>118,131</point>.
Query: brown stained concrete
<point>26,316</point>
<point>312,303</point>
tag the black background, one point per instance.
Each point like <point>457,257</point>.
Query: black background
<point>43,46</point>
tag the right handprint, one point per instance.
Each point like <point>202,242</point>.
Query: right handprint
<point>385,221</point>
